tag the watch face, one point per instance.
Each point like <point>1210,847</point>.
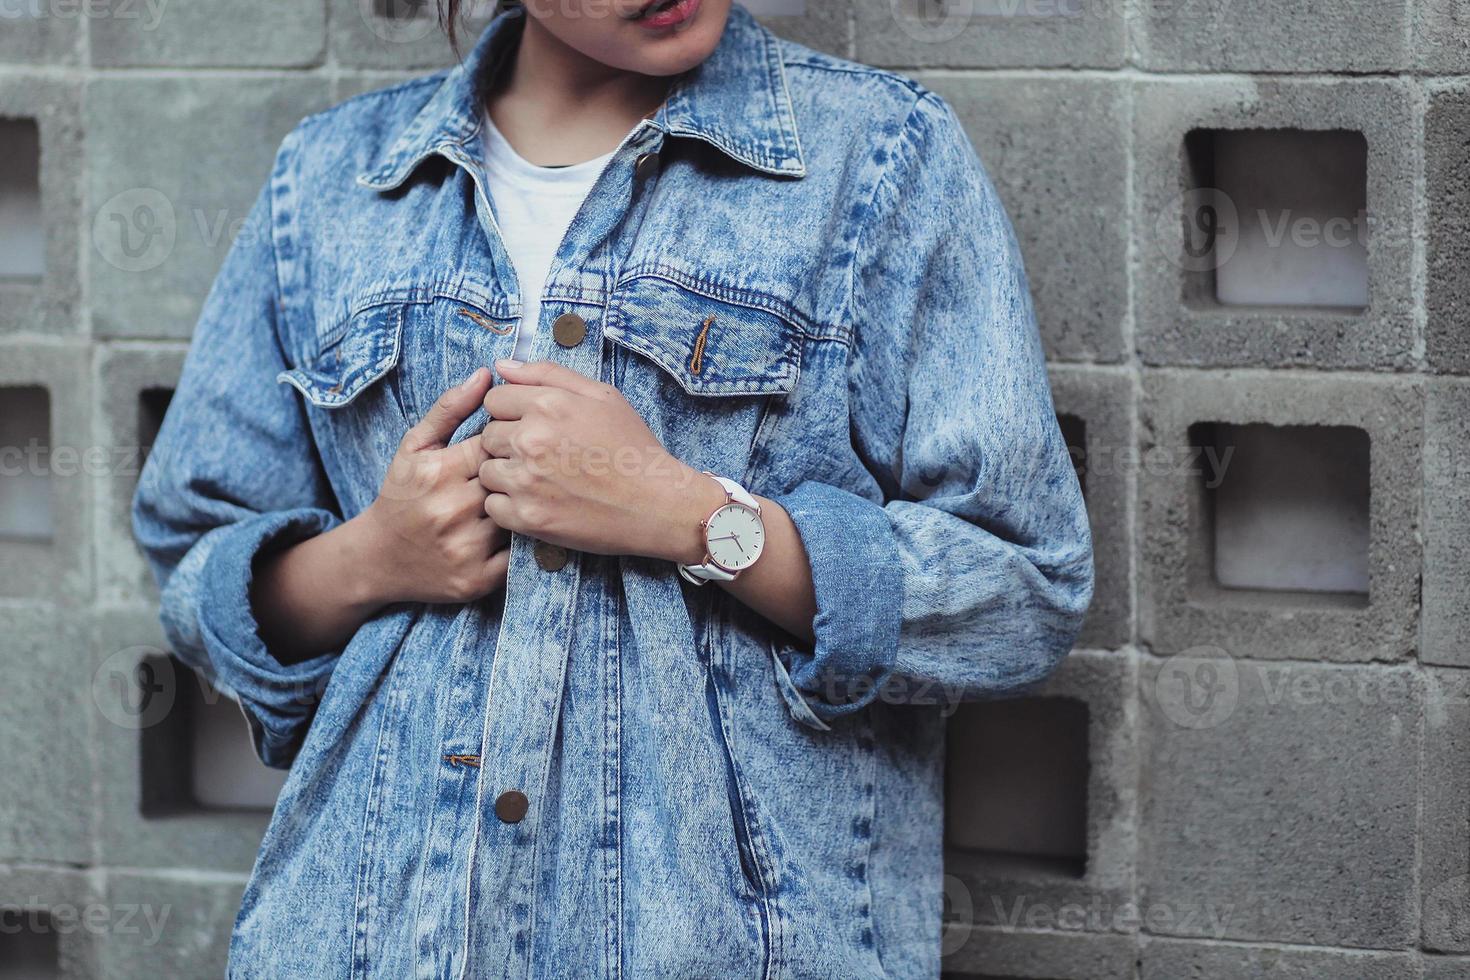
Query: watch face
<point>734,536</point>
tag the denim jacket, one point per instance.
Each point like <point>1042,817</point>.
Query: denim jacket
<point>708,795</point>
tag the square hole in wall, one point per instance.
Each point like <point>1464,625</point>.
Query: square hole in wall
<point>152,405</point>
<point>1016,785</point>
<point>1278,219</point>
<point>1285,509</point>
<point>198,757</point>
<point>1074,433</point>
<point>28,946</point>
<point>25,464</point>
<point>22,235</point>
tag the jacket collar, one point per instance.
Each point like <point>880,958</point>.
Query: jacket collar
<point>736,101</point>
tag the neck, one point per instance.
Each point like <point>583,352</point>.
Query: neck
<point>557,106</point>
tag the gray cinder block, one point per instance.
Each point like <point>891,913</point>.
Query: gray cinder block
<point>176,926</point>
<point>400,33</point>
<point>1442,36</point>
<point>40,32</point>
<point>1446,636</point>
<point>134,383</point>
<point>1102,401</point>
<point>1027,955</point>
<point>1167,959</point>
<point>162,221</point>
<point>1051,146</point>
<point>53,106</point>
<point>1227,35</point>
<point>1280,800</point>
<point>1446,967</point>
<point>54,562</point>
<point>1447,251</point>
<point>46,806</point>
<point>1445,823</point>
<point>1021,894</point>
<point>52,921</point>
<point>822,24</point>
<point>1178,321</point>
<point>1181,605</point>
<point>991,33</point>
<point>210,32</point>
<point>129,652</point>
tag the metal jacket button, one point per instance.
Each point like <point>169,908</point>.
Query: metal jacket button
<point>551,557</point>
<point>511,806</point>
<point>646,166</point>
<point>569,329</point>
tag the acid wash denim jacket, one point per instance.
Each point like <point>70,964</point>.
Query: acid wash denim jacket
<point>708,796</point>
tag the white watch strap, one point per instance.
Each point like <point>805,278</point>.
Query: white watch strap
<point>710,572</point>
<point>738,493</point>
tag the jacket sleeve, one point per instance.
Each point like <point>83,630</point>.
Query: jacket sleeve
<point>971,577</point>
<point>234,473</point>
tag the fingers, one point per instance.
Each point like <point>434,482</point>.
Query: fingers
<point>453,407</point>
<point>468,454</point>
<point>510,403</point>
<point>498,475</point>
<point>496,570</point>
<point>498,508</point>
<point>547,374</point>
<point>495,440</point>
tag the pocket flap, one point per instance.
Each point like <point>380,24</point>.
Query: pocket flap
<point>710,346</point>
<point>365,351</point>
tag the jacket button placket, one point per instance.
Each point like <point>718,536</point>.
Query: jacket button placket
<point>531,657</point>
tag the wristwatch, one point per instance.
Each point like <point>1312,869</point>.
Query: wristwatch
<point>734,536</point>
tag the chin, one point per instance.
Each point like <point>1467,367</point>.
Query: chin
<point>677,51</point>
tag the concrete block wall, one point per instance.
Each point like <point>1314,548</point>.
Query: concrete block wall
<point>1255,765</point>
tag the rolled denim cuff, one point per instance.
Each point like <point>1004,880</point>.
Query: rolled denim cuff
<point>278,700</point>
<point>858,581</point>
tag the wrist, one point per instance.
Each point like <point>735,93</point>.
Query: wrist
<point>362,551</point>
<point>686,501</point>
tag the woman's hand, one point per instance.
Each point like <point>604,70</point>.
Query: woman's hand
<point>571,462</point>
<point>427,532</point>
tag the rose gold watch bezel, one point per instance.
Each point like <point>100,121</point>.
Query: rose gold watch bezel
<point>709,557</point>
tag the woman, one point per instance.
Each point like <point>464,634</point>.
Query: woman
<point>635,662</point>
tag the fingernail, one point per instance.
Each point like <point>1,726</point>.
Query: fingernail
<point>470,381</point>
<point>507,362</point>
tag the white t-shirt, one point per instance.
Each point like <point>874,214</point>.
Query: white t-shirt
<point>534,206</point>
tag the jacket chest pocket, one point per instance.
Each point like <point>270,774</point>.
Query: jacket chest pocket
<point>388,362</point>
<point>703,371</point>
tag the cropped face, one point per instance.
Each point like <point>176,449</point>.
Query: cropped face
<point>650,37</point>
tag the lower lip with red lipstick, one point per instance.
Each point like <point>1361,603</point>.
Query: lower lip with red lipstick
<point>664,14</point>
